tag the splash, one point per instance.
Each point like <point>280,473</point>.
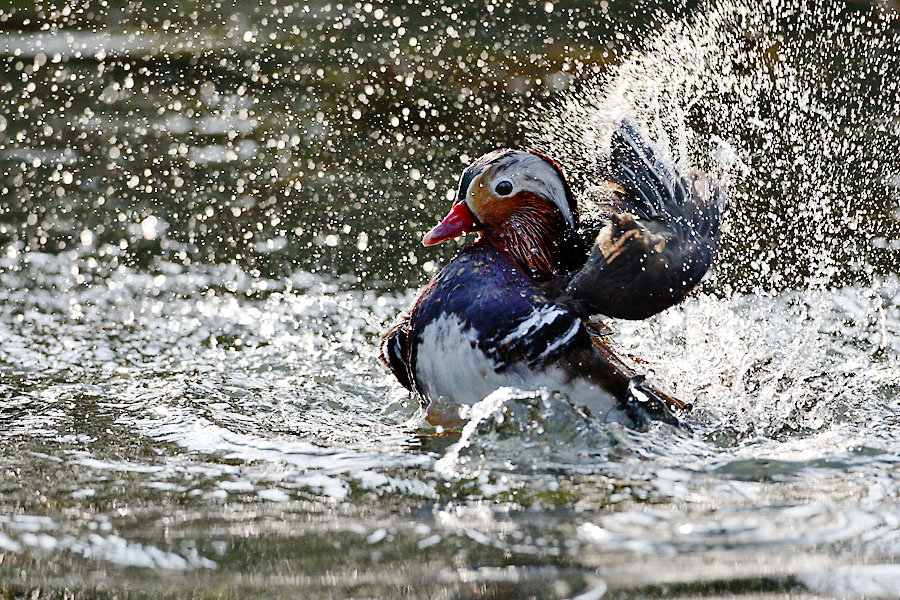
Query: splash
<point>185,386</point>
<point>477,413</point>
<point>794,105</point>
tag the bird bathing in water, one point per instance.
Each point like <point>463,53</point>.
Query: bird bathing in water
<point>515,307</point>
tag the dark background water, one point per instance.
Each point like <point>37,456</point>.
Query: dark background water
<point>273,136</point>
<point>209,212</point>
<point>323,136</point>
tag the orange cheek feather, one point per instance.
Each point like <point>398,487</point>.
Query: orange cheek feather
<point>490,209</point>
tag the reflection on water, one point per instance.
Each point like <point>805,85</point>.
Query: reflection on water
<point>190,421</point>
<point>201,241</point>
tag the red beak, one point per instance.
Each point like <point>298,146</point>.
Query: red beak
<point>459,221</point>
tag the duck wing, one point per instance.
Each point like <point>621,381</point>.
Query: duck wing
<point>657,238</point>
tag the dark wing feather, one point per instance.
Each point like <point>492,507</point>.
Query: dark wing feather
<point>658,239</point>
<point>539,338</point>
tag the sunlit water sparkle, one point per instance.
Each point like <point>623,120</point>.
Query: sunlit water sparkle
<point>177,425</point>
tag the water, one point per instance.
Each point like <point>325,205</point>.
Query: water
<point>201,242</point>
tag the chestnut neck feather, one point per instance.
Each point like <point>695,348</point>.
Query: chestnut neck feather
<point>538,238</point>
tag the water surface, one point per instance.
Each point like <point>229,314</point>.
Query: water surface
<point>208,217</point>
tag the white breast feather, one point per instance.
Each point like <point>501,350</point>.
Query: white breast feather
<point>454,371</point>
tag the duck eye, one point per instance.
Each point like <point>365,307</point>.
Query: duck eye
<point>504,188</point>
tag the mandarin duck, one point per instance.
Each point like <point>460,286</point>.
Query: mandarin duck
<point>518,307</point>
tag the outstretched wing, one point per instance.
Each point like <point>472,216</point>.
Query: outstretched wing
<point>658,239</point>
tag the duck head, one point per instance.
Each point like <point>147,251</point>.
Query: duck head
<point>520,201</point>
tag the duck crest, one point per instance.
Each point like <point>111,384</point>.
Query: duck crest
<point>538,238</point>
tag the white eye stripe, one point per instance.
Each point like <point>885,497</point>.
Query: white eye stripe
<point>527,172</point>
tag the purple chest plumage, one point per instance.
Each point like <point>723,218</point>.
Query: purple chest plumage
<point>481,324</point>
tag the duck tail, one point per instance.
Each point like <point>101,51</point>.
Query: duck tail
<point>394,352</point>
